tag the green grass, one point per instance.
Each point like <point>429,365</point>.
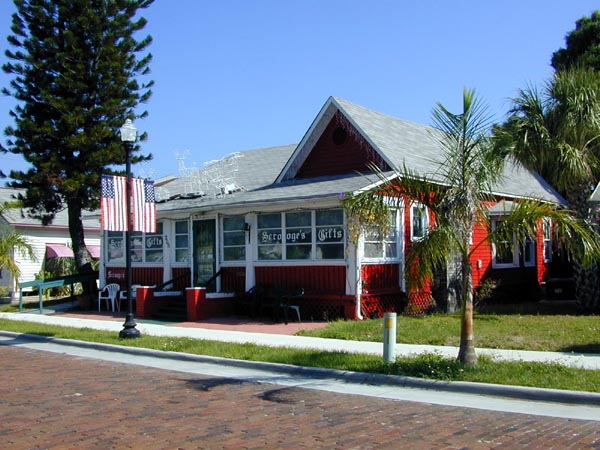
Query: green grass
<point>431,366</point>
<point>560,333</point>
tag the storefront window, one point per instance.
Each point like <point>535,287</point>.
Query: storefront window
<point>330,234</point>
<point>269,236</point>
<point>182,250</point>
<point>115,246</point>
<point>234,239</point>
<point>298,235</point>
<point>301,235</point>
<point>145,247</point>
<point>137,246</point>
<point>153,245</point>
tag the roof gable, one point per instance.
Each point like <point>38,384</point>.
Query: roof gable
<point>333,145</point>
<point>340,150</point>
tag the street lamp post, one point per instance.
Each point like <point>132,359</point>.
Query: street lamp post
<point>128,136</point>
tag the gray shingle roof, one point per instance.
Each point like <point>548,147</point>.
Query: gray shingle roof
<point>398,141</point>
<point>20,217</point>
<point>417,146</point>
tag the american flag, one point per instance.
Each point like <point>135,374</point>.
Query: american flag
<point>112,203</point>
<point>143,205</point>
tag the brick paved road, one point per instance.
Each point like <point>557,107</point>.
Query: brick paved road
<point>53,401</point>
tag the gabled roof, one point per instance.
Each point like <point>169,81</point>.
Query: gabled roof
<point>269,175</point>
<point>19,217</point>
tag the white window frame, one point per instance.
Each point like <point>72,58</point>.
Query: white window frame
<point>529,240</point>
<point>222,245</point>
<point>515,251</point>
<point>425,218</point>
<point>397,212</point>
<point>188,246</point>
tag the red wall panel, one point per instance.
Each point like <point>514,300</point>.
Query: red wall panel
<point>322,279</point>
<point>332,157</point>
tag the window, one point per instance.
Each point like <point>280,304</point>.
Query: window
<point>234,239</point>
<point>376,247</point>
<point>145,247</point>
<point>301,235</point>
<point>503,252</point>
<point>547,236</point>
<point>182,241</point>
<point>153,245</point>
<point>269,236</point>
<point>115,241</point>
<point>419,221</point>
<point>330,234</point>
<point>529,252</point>
<point>298,235</point>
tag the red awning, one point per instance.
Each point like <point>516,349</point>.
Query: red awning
<point>58,251</point>
<point>63,251</point>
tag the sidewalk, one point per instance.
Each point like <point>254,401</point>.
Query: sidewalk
<point>279,335</point>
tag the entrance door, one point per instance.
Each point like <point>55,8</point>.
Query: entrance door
<point>204,254</point>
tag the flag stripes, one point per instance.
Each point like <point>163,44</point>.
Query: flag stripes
<point>113,204</point>
<point>143,205</point>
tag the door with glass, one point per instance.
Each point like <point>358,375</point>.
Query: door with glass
<point>205,254</point>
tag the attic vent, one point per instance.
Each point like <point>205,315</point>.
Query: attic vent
<point>339,136</point>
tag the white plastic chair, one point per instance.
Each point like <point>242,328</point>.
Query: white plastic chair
<point>110,293</point>
<point>123,293</point>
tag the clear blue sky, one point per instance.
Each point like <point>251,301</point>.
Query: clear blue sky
<point>234,75</point>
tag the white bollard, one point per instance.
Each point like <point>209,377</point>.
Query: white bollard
<point>389,337</point>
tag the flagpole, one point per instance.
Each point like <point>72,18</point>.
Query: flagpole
<point>128,136</point>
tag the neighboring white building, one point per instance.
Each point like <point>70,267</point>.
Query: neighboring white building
<point>47,241</point>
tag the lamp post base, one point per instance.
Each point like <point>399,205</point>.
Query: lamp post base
<point>129,330</point>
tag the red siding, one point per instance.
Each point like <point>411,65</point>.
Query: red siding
<point>380,276</point>
<point>322,279</point>
<point>329,158</point>
<point>186,278</point>
<point>145,276</point>
<point>542,267</point>
<point>233,279</point>
<point>483,253</point>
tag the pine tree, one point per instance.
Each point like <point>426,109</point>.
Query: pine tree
<point>78,74</point>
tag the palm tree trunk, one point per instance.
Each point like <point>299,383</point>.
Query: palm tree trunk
<point>466,352</point>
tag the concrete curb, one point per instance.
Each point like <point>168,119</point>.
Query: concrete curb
<point>494,390</point>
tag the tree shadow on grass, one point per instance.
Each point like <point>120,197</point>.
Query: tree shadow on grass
<point>585,348</point>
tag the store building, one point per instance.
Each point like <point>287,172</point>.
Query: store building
<point>273,218</point>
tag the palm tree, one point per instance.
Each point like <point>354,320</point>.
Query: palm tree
<point>12,242</point>
<point>459,194</point>
<point>556,132</point>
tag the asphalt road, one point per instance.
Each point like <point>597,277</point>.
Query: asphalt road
<point>55,400</point>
